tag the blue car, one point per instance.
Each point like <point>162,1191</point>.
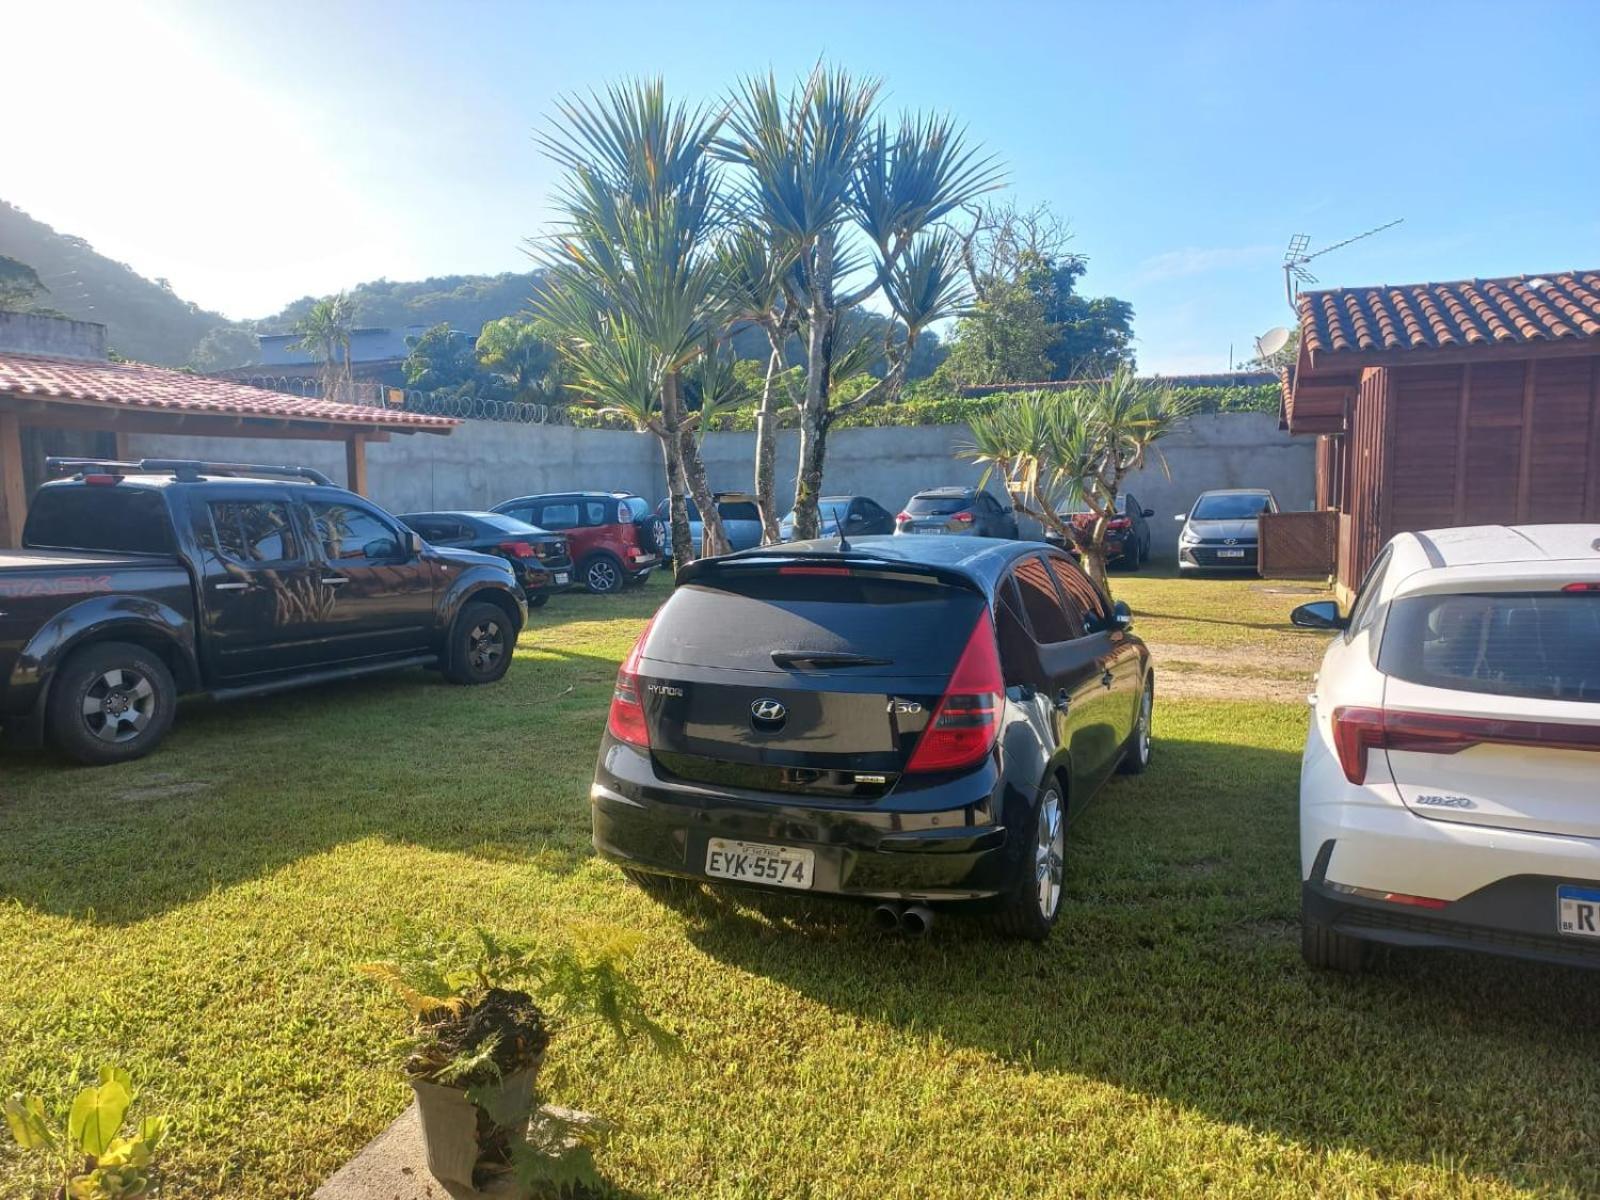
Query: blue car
<point>741,520</point>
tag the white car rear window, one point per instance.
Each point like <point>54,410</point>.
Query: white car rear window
<point>1539,645</point>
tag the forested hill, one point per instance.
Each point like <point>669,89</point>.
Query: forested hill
<point>463,301</point>
<point>143,319</point>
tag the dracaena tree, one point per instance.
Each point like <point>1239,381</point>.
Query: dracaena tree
<point>1072,448</point>
<point>634,255</point>
<point>324,333</point>
<point>857,205</point>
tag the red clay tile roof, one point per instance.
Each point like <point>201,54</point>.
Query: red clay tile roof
<point>1453,316</point>
<point>142,387</point>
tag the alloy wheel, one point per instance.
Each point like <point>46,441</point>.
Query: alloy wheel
<point>603,576</point>
<point>1144,726</point>
<point>485,645</point>
<point>1049,854</point>
<point>118,705</point>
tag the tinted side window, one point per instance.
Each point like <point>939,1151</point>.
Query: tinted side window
<point>597,512</point>
<point>1084,600</point>
<point>253,531</point>
<point>1365,613</point>
<point>1043,605</point>
<point>116,519</point>
<point>1019,656</point>
<point>556,516</point>
<point>347,532</point>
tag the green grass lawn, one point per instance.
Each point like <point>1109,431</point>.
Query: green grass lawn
<point>196,917</point>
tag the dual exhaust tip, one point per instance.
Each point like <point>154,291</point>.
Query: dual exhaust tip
<point>912,920</point>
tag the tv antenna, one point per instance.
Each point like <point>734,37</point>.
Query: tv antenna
<point>1299,254</point>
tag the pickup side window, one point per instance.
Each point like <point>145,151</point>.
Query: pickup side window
<point>253,531</point>
<point>348,532</point>
<point>116,519</point>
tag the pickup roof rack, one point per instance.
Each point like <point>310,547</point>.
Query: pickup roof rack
<point>186,469</point>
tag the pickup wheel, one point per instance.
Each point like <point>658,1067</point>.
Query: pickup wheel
<point>111,702</point>
<point>480,647</point>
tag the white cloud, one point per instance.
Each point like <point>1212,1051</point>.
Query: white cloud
<point>1201,260</point>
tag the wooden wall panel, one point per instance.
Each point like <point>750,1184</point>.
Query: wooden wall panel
<point>1559,450</point>
<point>1494,443</point>
<point>1427,403</point>
<point>1368,461</point>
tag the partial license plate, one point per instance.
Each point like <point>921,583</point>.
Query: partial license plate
<point>561,577</point>
<point>1578,910</point>
<point>757,862</point>
<point>1230,553</point>
<point>929,529</point>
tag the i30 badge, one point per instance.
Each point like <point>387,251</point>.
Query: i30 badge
<point>768,715</point>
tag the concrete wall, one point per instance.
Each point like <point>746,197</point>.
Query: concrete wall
<point>59,337</point>
<point>484,462</point>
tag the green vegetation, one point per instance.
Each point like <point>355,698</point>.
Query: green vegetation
<point>88,1152</point>
<point>198,915</point>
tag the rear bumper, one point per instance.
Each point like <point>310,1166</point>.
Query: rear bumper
<point>1515,917</point>
<point>541,579</point>
<point>862,851</point>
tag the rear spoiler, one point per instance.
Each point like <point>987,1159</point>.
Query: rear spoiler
<point>775,557</point>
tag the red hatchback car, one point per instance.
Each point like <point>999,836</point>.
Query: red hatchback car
<point>615,539</point>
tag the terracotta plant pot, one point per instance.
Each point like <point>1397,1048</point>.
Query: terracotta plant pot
<point>451,1123</point>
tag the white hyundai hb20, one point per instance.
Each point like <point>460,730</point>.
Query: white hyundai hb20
<point>1450,787</point>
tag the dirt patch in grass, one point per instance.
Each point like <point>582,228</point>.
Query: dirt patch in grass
<point>1190,672</point>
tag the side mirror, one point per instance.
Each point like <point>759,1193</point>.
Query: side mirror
<point>1147,513</point>
<point>856,519</point>
<point>1122,615</point>
<point>1319,614</point>
<point>1181,517</point>
<point>413,543</point>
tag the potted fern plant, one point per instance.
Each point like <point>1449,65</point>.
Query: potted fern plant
<point>483,1013</point>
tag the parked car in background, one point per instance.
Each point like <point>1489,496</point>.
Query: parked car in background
<point>909,721</point>
<point>1450,787</point>
<point>1127,534</point>
<point>1223,529</point>
<point>614,539</point>
<point>741,521</point>
<point>855,516</point>
<point>139,582</point>
<point>957,511</point>
<point>540,559</point>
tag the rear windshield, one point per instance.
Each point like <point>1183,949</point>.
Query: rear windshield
<point>1543,646</point>
<point>739,510</point>
<point>504,524</point>
<point>1229,508</point>
<point>918,625</point>
<point>121,520</point>
<point>938,506</point>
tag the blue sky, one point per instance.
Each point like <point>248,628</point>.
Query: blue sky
<point>252,153</point>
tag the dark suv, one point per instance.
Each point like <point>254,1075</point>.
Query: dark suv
<point>614,537</point>
<point>910,720</point>
<point>958,511</point>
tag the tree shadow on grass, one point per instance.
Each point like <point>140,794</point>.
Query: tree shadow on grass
<point>240,790</point>
<point>1175,971</point>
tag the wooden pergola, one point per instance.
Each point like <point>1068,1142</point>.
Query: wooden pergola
<point>118,399</point>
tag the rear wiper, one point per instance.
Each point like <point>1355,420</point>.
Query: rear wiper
<point>816,659</point>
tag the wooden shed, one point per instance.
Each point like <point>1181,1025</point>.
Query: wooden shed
<point>1439,404</point>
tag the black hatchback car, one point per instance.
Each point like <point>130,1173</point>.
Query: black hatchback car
<point>541,560</point>
<point>910,720</point>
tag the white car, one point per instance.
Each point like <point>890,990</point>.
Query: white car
<point>1450,787</point>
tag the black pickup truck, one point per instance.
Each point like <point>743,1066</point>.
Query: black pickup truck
<point>138,582</point>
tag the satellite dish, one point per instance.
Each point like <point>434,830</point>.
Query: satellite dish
<point>1270,342</point>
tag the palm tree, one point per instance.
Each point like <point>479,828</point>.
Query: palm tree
<point>828,183</point>
<point>513,349</point>
<point>1073,447</point>
<point>635,252</point>
<point>325,334</point>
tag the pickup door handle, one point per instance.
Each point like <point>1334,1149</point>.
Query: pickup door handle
<point>334,580</point>
<point>1063,701</point>
<point>1107,679</point>
<point>230,587</point>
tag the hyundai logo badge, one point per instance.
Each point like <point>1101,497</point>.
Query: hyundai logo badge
<point>767,713</point>
<point>1231,542</point>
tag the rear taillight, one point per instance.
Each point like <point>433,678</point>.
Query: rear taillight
<point>626,719</point>
<point>902,517</point>
<point>518,550</point>
<point>102,480</point>
<point>965,724</point>
<point>964,517</point>
<point>808,570</point>
<point>1582,587</point>
<point>1358,730</point>
<point>1119,523</point>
